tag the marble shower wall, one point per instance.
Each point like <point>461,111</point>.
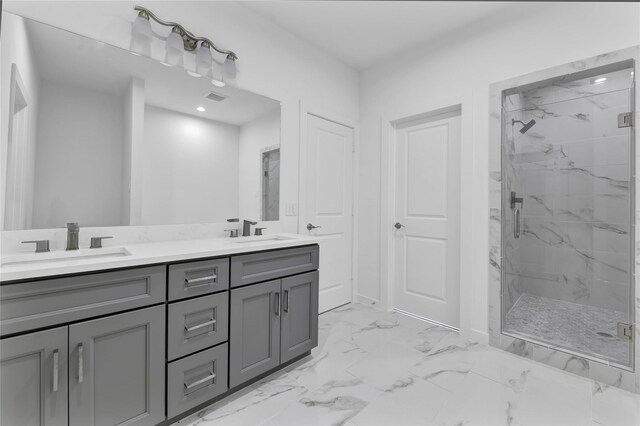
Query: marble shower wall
<point>573,168</point>
<point>603,212</point>
<point>512,181</point>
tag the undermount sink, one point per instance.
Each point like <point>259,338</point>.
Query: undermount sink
<point>48,258</point>
<point>261,238</point>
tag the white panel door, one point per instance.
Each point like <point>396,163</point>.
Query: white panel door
<point>328,207</point>
<point>427,209</point>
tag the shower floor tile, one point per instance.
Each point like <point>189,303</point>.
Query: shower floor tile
<point>586,329</point>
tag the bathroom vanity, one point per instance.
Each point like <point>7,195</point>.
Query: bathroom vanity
<point>151,336</point>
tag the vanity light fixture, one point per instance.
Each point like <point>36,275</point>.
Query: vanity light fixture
<point>179,41</point>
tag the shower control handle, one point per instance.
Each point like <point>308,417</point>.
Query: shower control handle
<point>515,200</point>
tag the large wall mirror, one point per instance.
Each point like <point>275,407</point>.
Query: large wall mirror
<point>94,134</point>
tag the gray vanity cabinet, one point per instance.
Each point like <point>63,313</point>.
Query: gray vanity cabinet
<point>299,322</point>
<point>255,331</point>
<point>272,323</point>
<point>117,370</point>
<point>33,377</point>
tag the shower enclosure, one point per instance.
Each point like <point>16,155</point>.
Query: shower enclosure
<point>567,213</point>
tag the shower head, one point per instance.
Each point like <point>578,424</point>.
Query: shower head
<point>526,126</point>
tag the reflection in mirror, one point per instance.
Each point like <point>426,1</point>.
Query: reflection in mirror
<point>270,183</point>
<point>100,136</point>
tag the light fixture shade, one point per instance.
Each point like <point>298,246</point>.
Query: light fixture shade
<point>174,40</point>
<point>203,59</point>
<point>174,57</point>
<point>216,75</point>
<point>218,83</point>
<point>140,45</point>
<point>175,49</point>
<point>142,27</point>
<point>229,68</point>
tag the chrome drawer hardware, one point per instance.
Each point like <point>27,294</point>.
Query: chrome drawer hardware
<point>211,376</point>
<point>286,301</point>
<point>55,370</point>
<point>80,362</point>
<point>277,304</point>
<point>201,279</point>
<point>204,324</point>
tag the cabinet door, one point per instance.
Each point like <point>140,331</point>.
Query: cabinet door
<point>255,331</point>
<point>299,315</point>
<point>33,379</point>
<point>116,369</point>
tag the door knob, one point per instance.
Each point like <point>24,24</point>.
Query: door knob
<point>398,225</point>
<point>310,227</point>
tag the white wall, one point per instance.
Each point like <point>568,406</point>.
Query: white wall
<point>13,28</point>
<point>79,149</point>
<point>271,61</point>
<point>254,137</point>
<point>194,178</point>
<point>458,71</point>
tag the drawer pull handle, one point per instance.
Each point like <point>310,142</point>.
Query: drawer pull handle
<point>80,362</point>
<point>277,304</point>
<point>286,301</point>
<point>201,279</point>
<point>55,370</point>
<point>204,324</point>
<point>211,376</point>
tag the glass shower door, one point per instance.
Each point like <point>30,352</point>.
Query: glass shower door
<point>567,208</point>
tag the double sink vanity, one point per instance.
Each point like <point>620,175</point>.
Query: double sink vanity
<point>148,333</point>
<point>145,333</point>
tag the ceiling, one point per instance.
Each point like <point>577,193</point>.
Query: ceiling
<point>364,33</point>
<point>67,58</point>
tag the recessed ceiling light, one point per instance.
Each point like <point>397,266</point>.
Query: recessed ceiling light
<point>201,109</point>
<point>600,80</point>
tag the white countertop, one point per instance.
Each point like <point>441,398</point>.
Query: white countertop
<point>21,266</point>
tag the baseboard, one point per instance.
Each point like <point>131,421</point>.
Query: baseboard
<point>368,301</point>
<point>479,336</point>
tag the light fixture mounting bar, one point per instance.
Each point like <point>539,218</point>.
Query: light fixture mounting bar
<point>190,40</point>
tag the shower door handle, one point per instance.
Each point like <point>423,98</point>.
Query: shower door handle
<point>516,223</point>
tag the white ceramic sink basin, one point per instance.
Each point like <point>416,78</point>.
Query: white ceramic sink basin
<point>49,258</point>
<point>261,239</point>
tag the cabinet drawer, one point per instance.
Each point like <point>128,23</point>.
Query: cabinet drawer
<point>198,323</point>
<point>36,304</point>
<point>196,379</point>
<point>256,267</point>
<point>196,278</point>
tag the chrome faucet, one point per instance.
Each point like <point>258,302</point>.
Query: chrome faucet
<point>73,230</point>
<point>246,227</point>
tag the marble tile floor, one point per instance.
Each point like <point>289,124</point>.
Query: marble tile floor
<point>588,329</point>
<point>377,368</point>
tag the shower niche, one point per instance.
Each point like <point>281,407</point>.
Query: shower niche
<point>563,217</point>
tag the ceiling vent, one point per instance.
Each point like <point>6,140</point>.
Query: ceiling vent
<point>217,97</point>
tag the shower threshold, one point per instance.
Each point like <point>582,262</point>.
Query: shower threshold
<point>578,328</point>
